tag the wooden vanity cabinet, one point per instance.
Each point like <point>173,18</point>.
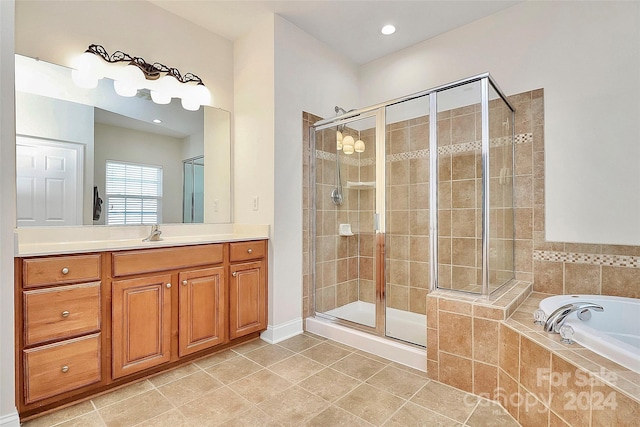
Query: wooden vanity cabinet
<point>89,322</point>
<point>247,288</point>
<point>203,310</point>
<point>59,336</point>
<point>141,324</point>
<point>143,307</point>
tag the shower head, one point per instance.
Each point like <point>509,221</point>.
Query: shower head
<point>339,110</point>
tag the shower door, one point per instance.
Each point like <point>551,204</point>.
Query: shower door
<point>348,231</point>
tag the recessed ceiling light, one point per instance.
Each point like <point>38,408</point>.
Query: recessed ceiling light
<point>388,29</point>
<point>157,121</point>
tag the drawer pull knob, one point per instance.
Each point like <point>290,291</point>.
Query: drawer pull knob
<point>168,285</point>
<point>184,282</point>
<point>234,274</point>
<point>65,270</point>
<point>65,369</point>
<point>65,313</point>
<point>250,250</point>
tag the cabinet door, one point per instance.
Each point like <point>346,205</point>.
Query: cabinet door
<point>141,324</point>
<point>247,299</point>
<point>202,310</point>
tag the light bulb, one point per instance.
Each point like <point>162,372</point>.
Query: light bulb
<point>347,141</point>
<point>160,97</point>
<point>347,145</point>
<point>201,94</point>
<point>190,104</point>
<point>338,145</point>
<point>124,88</point>
<point>90,65</point>
<point>339,136</point>
<point>359,146</point>
<point>83,79</point>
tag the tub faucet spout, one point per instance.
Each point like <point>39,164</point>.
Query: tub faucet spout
<point>154,235</point>
<point>557,318</point>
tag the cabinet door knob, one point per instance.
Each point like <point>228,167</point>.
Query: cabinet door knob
<point>234,274</point>
<point>184,282</point>
<point>65,369</point>
<point>65,270</point>
<point>168,285</point>
<point>65,313</point>
<point>250,250</point>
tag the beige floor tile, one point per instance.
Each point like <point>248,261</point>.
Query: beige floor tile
<point>296,368</point>
<point>491,413</point>
<point>174,374</point>
<point>214,359</point>
<point>371,404</point>
<point>260,386</point>
<point>333,416</point>
<point>446,400</point>
<point>135,410</point>
<point>299,343</point>
<point>92,419</point>
<point>62,415</point>
<point>326,353</point>
<point>357,366</point>
<point>396,381</point>
<point>214,408</point>
<point>373,356</point>
<point>293,406</point>
<point>329,384</point>
<point>414,415</point>
<point>268,355</point>
<point>233,369</point>
<point>189,388</point>
<point>409,369</point>
<point>249,346</point>
<point>254,417</point>
<point>122,393</point>
<point>173,418</point>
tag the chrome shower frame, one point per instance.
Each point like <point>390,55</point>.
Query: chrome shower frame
<point>378,110</point>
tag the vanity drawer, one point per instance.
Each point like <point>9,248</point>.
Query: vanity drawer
<point>61,312</point>
<point>155,260</point>
<point>242,251</point>
<point>61,367</point>
<point>65,269</point>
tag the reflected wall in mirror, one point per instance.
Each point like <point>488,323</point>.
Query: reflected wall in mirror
<point>92,157</point>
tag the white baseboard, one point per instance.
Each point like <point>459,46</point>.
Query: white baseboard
<point>10,420</point>
<point>283,331</point>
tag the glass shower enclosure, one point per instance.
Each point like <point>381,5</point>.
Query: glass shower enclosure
<point>412,195</point>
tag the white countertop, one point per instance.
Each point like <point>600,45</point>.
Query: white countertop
<point>66,240</point>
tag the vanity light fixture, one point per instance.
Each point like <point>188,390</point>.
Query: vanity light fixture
<point>131,73</point>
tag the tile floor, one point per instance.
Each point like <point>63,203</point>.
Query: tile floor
<point>304,381</point>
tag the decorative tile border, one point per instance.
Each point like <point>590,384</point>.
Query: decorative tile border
<point>424,153</point>
<point>592,259</point>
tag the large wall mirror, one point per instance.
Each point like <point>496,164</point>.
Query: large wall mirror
<point>93,157</point>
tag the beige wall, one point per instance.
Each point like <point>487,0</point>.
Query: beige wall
<point>128,145</point>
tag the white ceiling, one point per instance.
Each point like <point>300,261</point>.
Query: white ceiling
<point>349,27</point>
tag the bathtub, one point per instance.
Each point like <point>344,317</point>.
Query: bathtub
<point>613,333</point>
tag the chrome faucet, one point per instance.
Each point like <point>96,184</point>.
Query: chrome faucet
<point>154,236</point>
<point>557,318</point>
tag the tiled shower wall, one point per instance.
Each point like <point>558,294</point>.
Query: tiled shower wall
<point>553,267</point>
<point>345,268</point>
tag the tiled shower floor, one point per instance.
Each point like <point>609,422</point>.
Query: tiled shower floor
<point>304,381</point>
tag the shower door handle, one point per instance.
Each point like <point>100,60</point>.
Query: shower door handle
<point>376,222</point>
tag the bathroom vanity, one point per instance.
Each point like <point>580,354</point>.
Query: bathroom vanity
<point>88,322</point>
